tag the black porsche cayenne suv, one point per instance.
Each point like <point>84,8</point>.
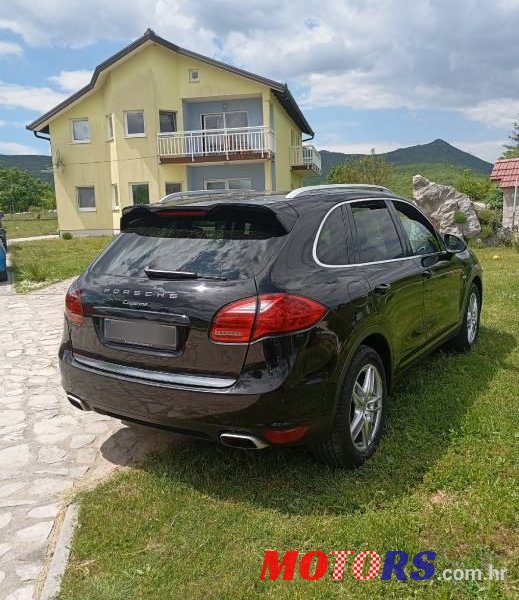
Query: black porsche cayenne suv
<point>259,320</point>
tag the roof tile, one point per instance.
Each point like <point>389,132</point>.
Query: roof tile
<point>506,172</point>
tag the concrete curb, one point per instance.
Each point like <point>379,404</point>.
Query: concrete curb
<point>59,560</point>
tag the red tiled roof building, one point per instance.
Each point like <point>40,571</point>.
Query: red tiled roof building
<point>506,174</point>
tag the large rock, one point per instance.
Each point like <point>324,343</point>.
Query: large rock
<point>441,202</point>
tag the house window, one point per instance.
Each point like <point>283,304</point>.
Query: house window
<point>134,123</point>
<point>139,193</point>
<point>167,121</point>
<point>228,184</point>
<point>86,198</point>
<point>80,131</point>
<point>194,75</point>
<point>115,197</point>
<point>173,188</point>
<point>109,127</point>
<point>225,120</point>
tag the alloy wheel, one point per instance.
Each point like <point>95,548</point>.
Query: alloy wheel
<point>366,407</point>
<point>472,318</point>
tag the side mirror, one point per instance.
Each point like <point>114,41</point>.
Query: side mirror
<point>454,243</point>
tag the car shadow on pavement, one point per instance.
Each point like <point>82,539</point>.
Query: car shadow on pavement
<point>426,411</point>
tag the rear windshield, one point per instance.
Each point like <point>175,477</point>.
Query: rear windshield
<point>233,243</point>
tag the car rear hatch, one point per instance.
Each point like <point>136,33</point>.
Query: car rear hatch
<point>149,299</point>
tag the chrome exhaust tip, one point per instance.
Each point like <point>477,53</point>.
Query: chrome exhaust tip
<point>77,402</point>
<point>245,442</point>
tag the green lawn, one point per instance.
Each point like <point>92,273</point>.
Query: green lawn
<point>195,522</point>
<point>29,225</point>
<point>40,263</point>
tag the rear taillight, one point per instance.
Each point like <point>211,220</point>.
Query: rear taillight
<point>251,319</point>
<point>73,307</point>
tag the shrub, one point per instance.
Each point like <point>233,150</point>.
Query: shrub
<point>486,216</point>
<point>67,235</point>
<point>474,186</point>
<point>486,232</point>
<point>494,199</point>
<point>460,218</point>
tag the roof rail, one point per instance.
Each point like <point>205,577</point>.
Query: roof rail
<point>332,186</point>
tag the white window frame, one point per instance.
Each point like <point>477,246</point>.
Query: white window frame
<point>134,135</point>
<point>226,182</point>
<point>116,205</point>
<point>86,208</point>
<point>109,127</point>
<point>73,139</point>
<point>130,186</point>
<point>191,71</point>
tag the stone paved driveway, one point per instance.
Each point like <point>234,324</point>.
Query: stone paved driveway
<point>46,446</point>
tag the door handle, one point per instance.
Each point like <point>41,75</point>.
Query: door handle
<point>427,273</point>
<point>382,288</point>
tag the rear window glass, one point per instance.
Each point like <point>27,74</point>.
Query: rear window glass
<point>234,243</point>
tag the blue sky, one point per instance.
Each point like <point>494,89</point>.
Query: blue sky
<point>367,73</point>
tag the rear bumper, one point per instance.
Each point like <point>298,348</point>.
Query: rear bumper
<point>244,407</point>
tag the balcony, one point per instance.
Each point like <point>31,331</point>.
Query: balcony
<point>304,159</point>
<point>216,145</point>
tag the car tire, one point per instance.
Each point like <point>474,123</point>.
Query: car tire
<point>468,333</point>
<point>347,445</point>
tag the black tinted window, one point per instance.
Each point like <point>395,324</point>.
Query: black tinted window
<point>418,231</point>
<point>377,237</point>
<point>229,242</point>
<point>331,244</point>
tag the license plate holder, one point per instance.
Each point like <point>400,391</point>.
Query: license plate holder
<point>140,334</point>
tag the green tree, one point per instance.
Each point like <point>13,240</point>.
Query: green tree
<point>477,188</point>
<point>20,191</point>
<point>363,169</point>
<point>512,150</point>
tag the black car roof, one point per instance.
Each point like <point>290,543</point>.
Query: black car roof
<point>276,201</point>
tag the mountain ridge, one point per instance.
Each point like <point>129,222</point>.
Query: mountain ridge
<point>437,151</point>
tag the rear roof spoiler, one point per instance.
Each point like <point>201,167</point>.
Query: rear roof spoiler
<point>283,212</point>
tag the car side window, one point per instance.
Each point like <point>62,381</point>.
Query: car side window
<point>419,232</point>
<point>377,236</point>
<point>331,248</point>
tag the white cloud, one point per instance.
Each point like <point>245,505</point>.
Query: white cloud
<point>499,112</point>
<point>365,54</point>
<point>14,148</point>
<point>10,49</point>
<point>39,99</point>
<point>71,81</point>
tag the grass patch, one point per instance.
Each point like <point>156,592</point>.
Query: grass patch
<point>40,263</point>
<point>30,225</point>
<point>194,522</point>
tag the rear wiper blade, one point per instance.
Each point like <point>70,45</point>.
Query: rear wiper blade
<point>165,274</point>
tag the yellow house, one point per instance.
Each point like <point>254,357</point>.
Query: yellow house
<point>156,119</point>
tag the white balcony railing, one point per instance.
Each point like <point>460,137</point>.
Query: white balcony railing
<point>305,158</point>
<point>213,142</point>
